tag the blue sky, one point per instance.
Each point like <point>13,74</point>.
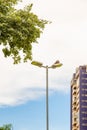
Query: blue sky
<point>31,115</point>
<point>22,86</point>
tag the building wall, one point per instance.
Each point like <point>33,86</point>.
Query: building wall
<point>83,99</point>
<point>79,99</point>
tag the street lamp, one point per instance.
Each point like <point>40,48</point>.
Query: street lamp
<point>53,66</point>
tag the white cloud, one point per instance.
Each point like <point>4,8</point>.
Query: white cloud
<point>65,39</point>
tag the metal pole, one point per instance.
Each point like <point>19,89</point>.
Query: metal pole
<point>47,105</point>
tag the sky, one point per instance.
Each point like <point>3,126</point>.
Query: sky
<point>22,86</point>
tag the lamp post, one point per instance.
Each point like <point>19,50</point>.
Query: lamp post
<point>53,66</point>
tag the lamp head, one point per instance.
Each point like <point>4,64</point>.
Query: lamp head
<point>36,63</point>
<point>56,64</point>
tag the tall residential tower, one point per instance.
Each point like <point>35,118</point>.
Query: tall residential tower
<point>79,99</point>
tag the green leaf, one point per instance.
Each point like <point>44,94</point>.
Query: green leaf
<point>19,29</point>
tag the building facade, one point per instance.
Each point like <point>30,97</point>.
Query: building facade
<point>79,99</point>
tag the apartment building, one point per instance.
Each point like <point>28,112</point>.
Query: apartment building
<point>79,99</point>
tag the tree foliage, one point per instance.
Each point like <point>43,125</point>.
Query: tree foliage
<point>6,127</point>
<point>19,29</point>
